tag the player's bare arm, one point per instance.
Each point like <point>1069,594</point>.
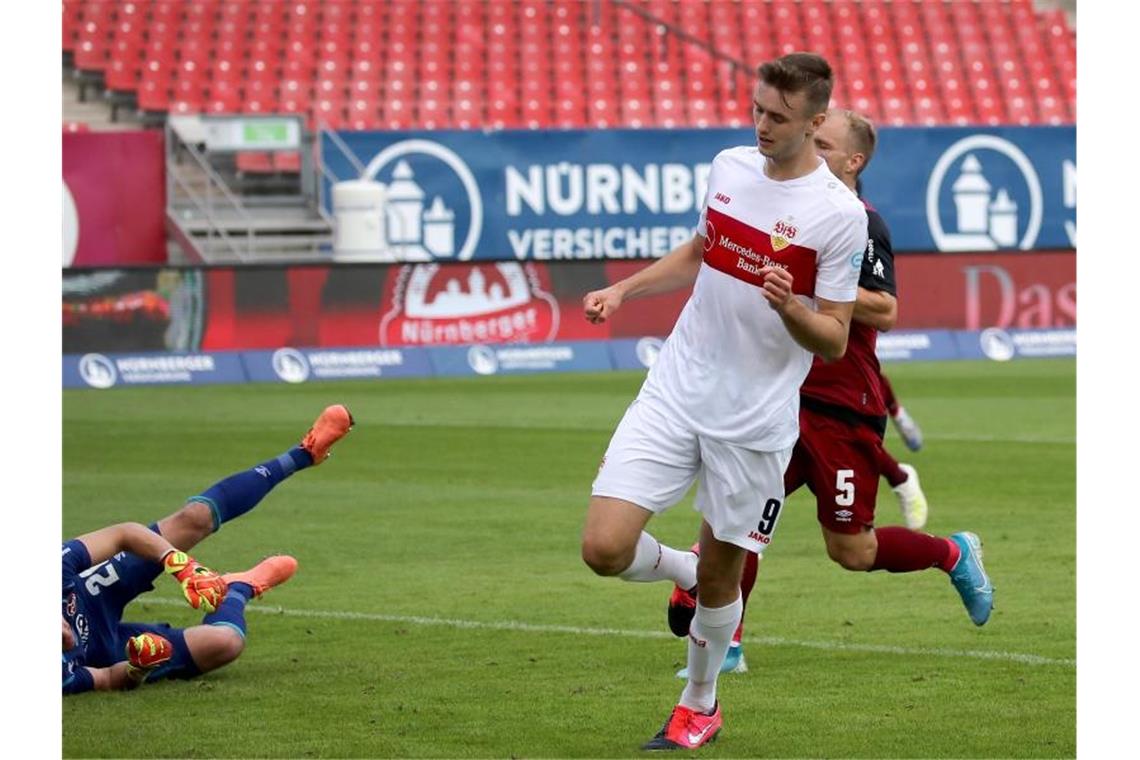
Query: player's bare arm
<point>130,537</point>
<point>876,308</point>
<point>114,678</point>
<point>673,271</point>
<point>202,587</point>
<point>822,331</point>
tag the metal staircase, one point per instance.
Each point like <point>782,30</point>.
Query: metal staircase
<point>214,222</point>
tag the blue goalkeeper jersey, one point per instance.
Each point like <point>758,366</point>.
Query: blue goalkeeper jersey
<point>92,622</point>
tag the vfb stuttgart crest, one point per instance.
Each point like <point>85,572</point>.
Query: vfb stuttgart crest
<point>782,235</point>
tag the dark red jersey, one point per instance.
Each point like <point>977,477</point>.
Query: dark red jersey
<point>853,382</point>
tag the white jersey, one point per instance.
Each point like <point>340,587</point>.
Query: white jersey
<point>730,369</point>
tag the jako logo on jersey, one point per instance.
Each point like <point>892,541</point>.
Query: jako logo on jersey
<point>98,371</point>
<point>759,537</point>
<point>433,209</point>
<point>983,194</point>
<point>782,235</point>
<point>722,198</point>
<point>290,365</point>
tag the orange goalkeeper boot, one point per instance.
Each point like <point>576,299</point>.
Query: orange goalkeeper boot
<point>269,572</point>
<point>333,424</point>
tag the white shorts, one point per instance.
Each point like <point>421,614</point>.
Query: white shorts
<point>652,460</point>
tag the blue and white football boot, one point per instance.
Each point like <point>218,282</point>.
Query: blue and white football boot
<point>970,579</point>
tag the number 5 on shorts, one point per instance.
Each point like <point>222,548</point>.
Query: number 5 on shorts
<point>845,489</point>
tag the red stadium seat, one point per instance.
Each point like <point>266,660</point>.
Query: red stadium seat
<point>224,97</point>
<point>468,112</point>
<point>254,162</point>
<point>928,111</point>
<point>72,21</point>
<point>153,95</point>
<point>669,111</point>
<point>287,161</point>
<point>503,112</point>
<point>93,43</point>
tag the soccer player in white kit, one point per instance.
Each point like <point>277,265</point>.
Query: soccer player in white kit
<point>774,267</point>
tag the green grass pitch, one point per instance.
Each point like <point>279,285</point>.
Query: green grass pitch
<point>441,608</point>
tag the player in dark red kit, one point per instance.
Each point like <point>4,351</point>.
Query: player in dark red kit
<point>843,417</point>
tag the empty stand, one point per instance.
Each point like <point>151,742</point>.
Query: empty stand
<point>470,64</point>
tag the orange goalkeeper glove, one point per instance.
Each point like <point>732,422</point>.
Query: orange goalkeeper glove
<point>201,586</point>
<point>146,652</point>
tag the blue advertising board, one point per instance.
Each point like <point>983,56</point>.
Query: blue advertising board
<point>635,353</point>
<point>916,345</point>
<point>1003,345</point>
<point>521,358</point>
<point>292,365</point>
<point>620,194</point>
<point>957,189</point>
<point>300,365</point>
<point>153,368</point>
<point>534,195</point>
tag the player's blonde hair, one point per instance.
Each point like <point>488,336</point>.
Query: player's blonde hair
<point>862,134</point>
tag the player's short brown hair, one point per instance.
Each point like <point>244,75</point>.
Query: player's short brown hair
<point>801,72</point>
<point>862,134</point>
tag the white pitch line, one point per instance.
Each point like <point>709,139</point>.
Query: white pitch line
<point>973,438</point>
<point>776,641</point>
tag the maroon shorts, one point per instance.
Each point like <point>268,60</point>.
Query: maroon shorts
<point>838,461</point>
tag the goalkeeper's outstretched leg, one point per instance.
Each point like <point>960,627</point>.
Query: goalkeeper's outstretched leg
<point>105,570</point>
<point>232,497</point>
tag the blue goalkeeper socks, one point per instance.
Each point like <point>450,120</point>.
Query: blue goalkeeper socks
<point>234,496</point>
<point>231,612</point>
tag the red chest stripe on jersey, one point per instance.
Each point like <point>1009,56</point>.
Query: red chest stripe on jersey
<point>741,251</point>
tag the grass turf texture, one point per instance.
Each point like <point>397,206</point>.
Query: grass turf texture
<point>462,501</point>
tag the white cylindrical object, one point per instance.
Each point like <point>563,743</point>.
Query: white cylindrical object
<point>1003,220</point>
<point>358,210</point>
<point>973,212</point>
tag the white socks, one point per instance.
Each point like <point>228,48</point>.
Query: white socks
<point>653,561</point>
<point>709,637</point>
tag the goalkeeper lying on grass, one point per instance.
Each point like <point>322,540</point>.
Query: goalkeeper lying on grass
<point>105,570</point>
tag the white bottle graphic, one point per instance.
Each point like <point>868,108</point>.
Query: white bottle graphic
<point>972,197</point>
<point>1003,220</point>
<point>405,207</point>
<point>439,229</point>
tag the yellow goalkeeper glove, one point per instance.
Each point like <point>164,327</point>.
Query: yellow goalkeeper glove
<point>203,588</point>
<point>146,652</point>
